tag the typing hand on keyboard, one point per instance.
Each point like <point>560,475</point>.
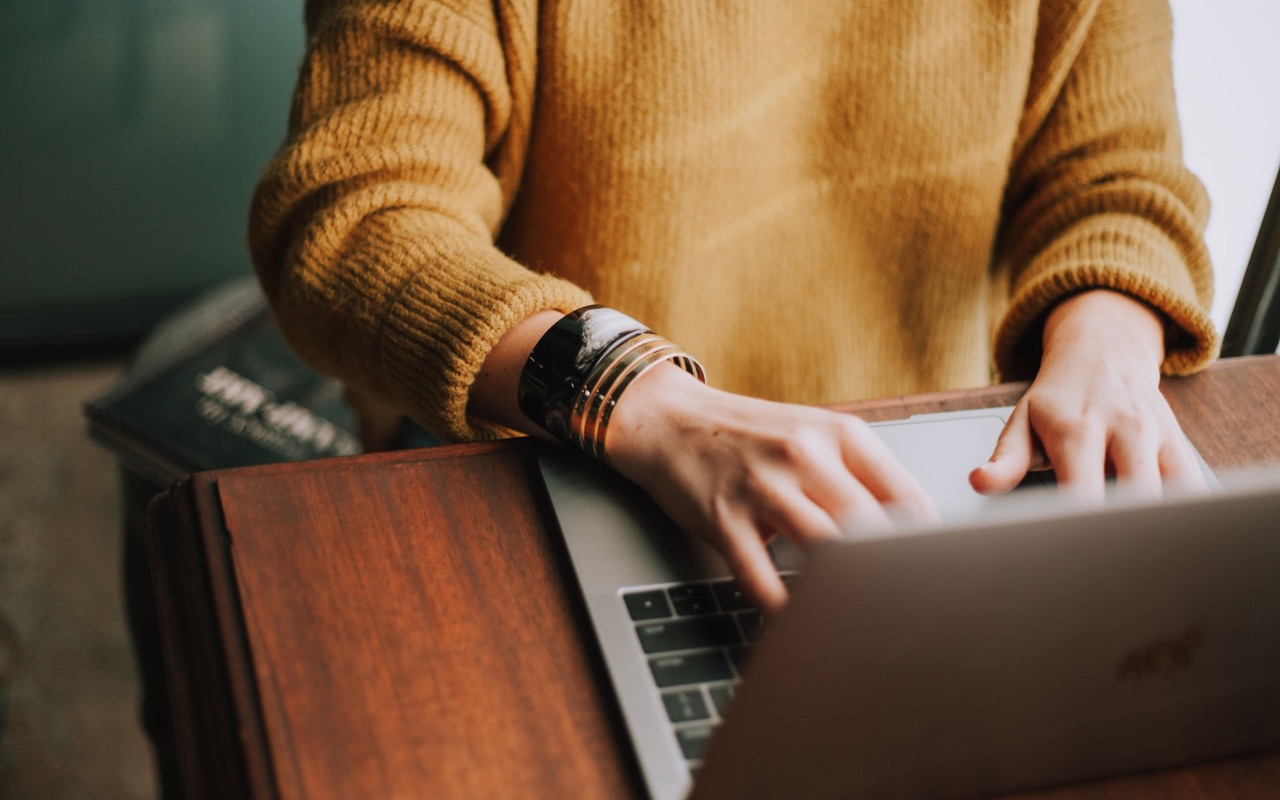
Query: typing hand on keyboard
<point>738,471</point>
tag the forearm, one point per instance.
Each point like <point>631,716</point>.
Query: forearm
<point>372,229</point>
<point>495,392</point>
<point>1100,197</point>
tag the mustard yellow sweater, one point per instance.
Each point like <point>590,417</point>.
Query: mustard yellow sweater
<point>820,200</point>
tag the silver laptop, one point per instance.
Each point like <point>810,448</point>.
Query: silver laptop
<point>1021,644</point>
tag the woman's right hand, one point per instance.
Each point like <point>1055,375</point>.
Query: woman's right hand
<point>738,471</point>
<point>732,469</point>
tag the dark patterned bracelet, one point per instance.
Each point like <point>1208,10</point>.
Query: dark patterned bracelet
<point>579,368</point>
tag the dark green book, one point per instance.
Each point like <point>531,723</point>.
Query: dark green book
<point>233,396</point>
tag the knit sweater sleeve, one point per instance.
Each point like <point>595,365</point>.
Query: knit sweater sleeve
<point>372,229</point>
<point>1098,196</point>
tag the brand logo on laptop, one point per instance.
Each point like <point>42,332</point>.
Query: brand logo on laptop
<point>1162,658</point>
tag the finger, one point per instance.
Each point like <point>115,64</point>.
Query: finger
<point>833,505</point>
<point>797,516</point>
<point>1179,466</point>
<point>861,514</point>
<point>748,557</point>
<point>1016,451</point>
<point>843,498</point>
<point>1078,453</point>
<point>1135,456</point>
<point>870,463</point>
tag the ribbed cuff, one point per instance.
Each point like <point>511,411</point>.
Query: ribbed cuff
<point>1120,253</point>
<point>439,335</point>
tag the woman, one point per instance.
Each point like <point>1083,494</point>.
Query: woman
<point>818,201</point>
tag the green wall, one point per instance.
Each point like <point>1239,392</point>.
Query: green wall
<point>131,132</point>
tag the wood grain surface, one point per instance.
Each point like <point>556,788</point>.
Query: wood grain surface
<point>406,625</point>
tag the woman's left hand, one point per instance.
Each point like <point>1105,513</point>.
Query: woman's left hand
<point>1095,407</point>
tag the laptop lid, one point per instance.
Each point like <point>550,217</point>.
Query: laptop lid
<point>1033,649</point>
<point>618,539</point>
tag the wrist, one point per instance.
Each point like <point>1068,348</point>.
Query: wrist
<point>583,365</point>
<point>1106,321</point>
<point>494,393</point>
<point>650,413</point>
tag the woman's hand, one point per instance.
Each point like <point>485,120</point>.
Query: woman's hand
<point>1095,406</point>
<point>738,471</point>
<point>732,469</point>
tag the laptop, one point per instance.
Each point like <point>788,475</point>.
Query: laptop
<point>1020,644</point>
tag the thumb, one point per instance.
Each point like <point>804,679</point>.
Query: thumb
<point>1014,454</point>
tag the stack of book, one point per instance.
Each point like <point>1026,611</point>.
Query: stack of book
<point>233,394</point>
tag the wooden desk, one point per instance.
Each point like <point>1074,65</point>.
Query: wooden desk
<point>405,625</point>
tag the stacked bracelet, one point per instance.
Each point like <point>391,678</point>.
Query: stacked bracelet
<point>580,368</point>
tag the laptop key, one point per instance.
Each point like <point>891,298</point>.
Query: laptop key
<point>720,697</point>
<point>686,705</point>
<point>688,634</point>
<point>752,623</point>
<point>693,741</point>
<point>731,596</point>
<point>683,670</point>
<point>647,605</point>
<point>693,598</point>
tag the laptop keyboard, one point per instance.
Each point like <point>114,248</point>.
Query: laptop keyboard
<point>696,637</point>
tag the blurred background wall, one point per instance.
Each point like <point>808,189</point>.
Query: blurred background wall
<point>131,132</point>
<point>1226,66</point>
